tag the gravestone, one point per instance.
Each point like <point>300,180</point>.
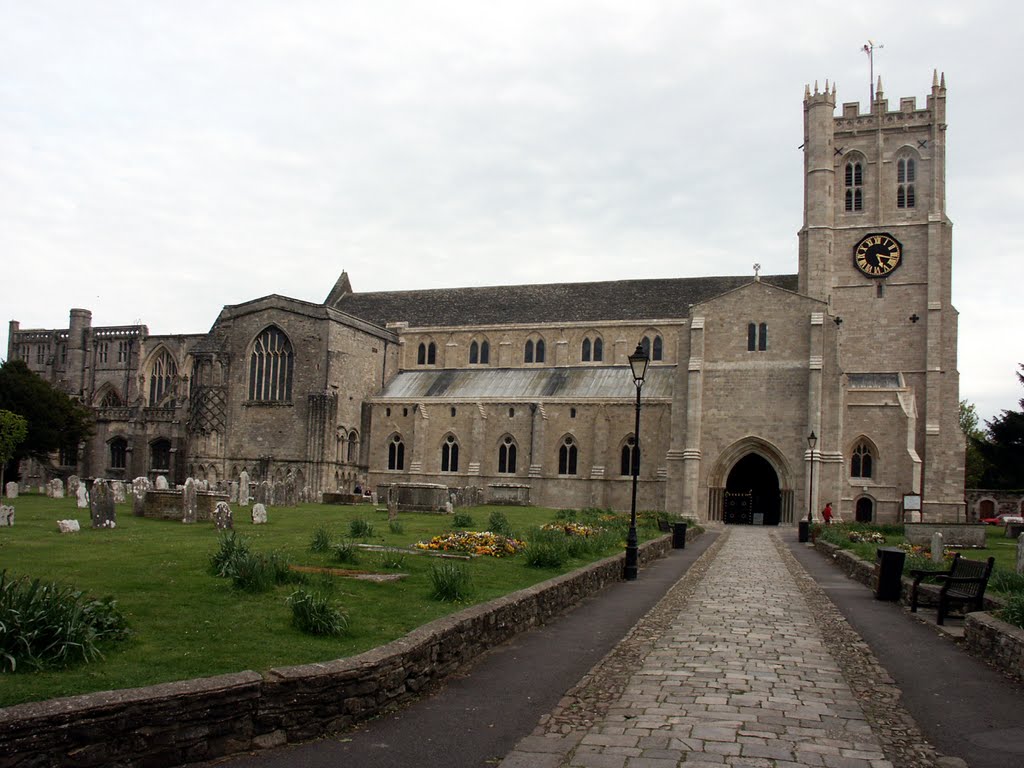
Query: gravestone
<point>243,489</point>
<point>259,514</point>
<point>68,526</point>
<point>937,547</point>
<point>102,505</point>
<point>73,482</point>
<point>392,503</point>
<point>233,492</point>
<point>305,495</point>
<point>83,496</point>
<point>140,487</point>
<point>161,483</point>
<point>12,490</point>
<point>265,493</point>
<point>117,488</point>
<point>189,501</point>
<point>290,498</point>
<point>55,488</point>
<point>1020,554</point>
<point>202,485</point>
<point>373,499</point>
<point>222,516</point>
<point>6,516</point>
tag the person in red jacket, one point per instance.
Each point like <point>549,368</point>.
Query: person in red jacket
<point>827,513</point>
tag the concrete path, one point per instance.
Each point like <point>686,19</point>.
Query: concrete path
<point>733,668</point>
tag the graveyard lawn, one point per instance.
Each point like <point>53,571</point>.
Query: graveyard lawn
<point>188,623</point>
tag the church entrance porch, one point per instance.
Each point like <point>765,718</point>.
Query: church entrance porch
<point>752,493</point>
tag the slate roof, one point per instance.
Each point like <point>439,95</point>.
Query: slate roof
<point>577,383</point>
<point>630,300</point>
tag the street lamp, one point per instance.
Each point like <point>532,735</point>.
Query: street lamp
<point>812,440</point>
<point>638,363</point>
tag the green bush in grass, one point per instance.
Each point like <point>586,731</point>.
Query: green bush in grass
<point>360,529</point>
<point>450,582</point>
<point>498,523</point>
<point>463,521</point>
<point>391,561</point>
<point>321,539</point>
<point>44,624</point>
<point>395,526</point>
<point>314,613</point>
<point>346,551</point>
<point>230,547</point>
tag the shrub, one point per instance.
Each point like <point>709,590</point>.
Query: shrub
<point>395,526</point>
<point>462,520</point>
<point>451,582</point>
<point>390,560</point>
<point>48,625</point>
<point>231,546</point>
<point>360,529</point>
<point>1008,582</point>
<point>321,540</point>
<point>1013,612</point>
<point>547,549</point>
<point>252,572</point>
<point>346,551</point>
<point>314,614</point>
<point>498,523</point>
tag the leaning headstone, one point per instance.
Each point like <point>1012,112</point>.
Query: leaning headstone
<point>102,505</point>
<point>83,496</point>
<point>12,490</point>
<point>68,526</point>
<point>259,514</point>
<point>117,487</point>
<point>243,489</point>
<point>56,488</point>
<point>140,487</point>
<point>6,516</point>
<point>448,508</point>
<point>1020,554</point>
<point>73,483</point>
<point>161,483</point>
<point>189,502</point>
<point>937,547</point>
<point>222,516</point>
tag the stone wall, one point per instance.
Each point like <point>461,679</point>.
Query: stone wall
<point>166,505</point>
<point>958,535</point>
<point>197,720</point>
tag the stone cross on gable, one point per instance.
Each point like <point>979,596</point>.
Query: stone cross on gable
<point>757,271</point>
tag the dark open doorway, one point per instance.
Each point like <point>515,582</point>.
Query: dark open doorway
<point>752,493</point>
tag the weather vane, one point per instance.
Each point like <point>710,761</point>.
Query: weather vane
<point>869,49</point>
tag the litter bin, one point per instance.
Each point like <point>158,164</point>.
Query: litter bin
<point>678,535</point>
<point>890,573</point>
<point>803,532</point>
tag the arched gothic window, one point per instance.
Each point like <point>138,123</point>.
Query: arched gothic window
<point>507,456</point>
<point>598,350</point>
<point>474,353</point>
<point>396,453</point>
<point>533,352</point>
<point>652,346</point>
<point>630,459</point>
<point>161,379</point>
<point>528,351</point>
<point>450,455</point>
<point>270,367</point>
<point>862,461</point>
<point>567,457</point>
<point>110,399</point>
<point>118,453</point>
<point>479,353</point>
<point>854,186</point>
<point>426,354</point>
<point>353,447</point>
<point>592,350</point>
<point>585,351</point>
<point>160,455</point>
<point>906,176</point>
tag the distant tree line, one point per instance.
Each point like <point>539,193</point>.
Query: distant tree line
<point>995,454</point>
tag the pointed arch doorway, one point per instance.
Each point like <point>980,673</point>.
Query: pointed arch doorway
<point>752,494</point>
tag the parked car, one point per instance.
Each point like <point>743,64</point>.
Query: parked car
<point>1003,519</point>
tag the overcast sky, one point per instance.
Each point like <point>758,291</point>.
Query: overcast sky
<point>161,159</point>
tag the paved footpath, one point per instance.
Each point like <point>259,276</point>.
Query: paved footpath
<point>734,668</point>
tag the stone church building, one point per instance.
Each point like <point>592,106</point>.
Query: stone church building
<point>524,392</point>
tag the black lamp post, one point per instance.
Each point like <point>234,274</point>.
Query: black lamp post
<point>812,440</point>
<point>638,363</point>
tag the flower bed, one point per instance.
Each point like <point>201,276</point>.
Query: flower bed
<point>474,543</point>
<point>573,529</point>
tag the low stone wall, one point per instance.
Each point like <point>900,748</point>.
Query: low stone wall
<point>197,720</point>
<point>985,636</point>
<point>344,498</point>
<point>953,534</point>
<point>999,643</point>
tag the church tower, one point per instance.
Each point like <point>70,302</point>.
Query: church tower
<point>876,246</point>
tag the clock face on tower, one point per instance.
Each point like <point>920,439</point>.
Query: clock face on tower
<point>878,254</point>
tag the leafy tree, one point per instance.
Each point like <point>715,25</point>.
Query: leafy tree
<point>975,463</point>
<point>1004,449</point>
<point>55,420</point>
<point>13,431</point>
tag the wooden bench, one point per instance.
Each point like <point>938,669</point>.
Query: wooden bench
<point>963,584</point>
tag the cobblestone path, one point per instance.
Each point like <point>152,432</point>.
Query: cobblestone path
<point>733,668</point>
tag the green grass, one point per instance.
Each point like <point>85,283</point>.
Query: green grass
<point>187,622</point>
